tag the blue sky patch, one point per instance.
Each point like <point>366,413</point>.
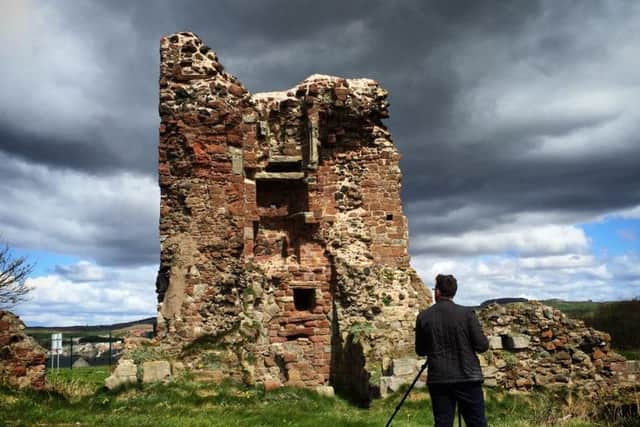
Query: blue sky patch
<point>45,262</point>
<point>614,236</point>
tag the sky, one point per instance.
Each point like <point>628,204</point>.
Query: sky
<point>518,122</point>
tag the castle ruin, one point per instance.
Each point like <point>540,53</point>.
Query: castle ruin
<point>283,240</point>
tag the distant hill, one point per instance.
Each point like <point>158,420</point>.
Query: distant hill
<point>507,300</point>
<point>116,328</point>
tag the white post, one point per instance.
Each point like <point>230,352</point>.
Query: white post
<point>56,348</point>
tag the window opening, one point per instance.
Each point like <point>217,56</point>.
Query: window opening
<point>304,299</point>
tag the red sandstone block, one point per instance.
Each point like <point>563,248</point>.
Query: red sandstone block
<point>559,343</point>
<point>236,90</point>
<point>324,324</point>
<point>597,354</point>
<point>325,370</point>
<point>271,385</point>
<point>289,357</point>
<point>221,168</point>
<point>19,371</point>
<point>319,362</point>
<point>397,251</point>
<point>298,331</point>
<point>216,148</point>
<point>248,248</point>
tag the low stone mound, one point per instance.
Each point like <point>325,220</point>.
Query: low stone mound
<point>533,345</point>
<point>81,363</point>
<point>22,359</point>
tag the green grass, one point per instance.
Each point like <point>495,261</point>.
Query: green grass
<point>76,383</point>
<point>630,354</point>
<point>583,310</point>
<point>79,399</point>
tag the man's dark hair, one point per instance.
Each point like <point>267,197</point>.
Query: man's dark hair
<point>447,284</point>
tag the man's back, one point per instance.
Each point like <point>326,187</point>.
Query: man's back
<point>450,335</point>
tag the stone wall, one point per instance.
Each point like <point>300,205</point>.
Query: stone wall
<point>533,345</point>
<point>283,240</point>
<point>22,360</point>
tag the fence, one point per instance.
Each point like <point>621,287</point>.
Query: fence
<point>95,350</point>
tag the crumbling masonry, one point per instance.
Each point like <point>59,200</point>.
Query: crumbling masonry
<point>284,245</point>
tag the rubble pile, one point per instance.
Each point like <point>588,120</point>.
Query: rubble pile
<point>22,360</point>
<point>535,345</point>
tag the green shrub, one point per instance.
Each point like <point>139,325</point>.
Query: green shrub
<point>360,329</point>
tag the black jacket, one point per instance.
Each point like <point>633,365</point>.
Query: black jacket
<point>450,335</point>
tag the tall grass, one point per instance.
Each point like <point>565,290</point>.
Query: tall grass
<point>76,383</point>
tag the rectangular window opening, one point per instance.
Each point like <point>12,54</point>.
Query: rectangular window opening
<point>304,299</point>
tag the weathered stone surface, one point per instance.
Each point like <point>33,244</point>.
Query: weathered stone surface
<point>325,390</point>
<point>495,342</point>
<point>156,371</point>
<point>124,373</point>
<point>543,347</point>
<point>515,341</point>
<point>81,363</point>
<point>177,369</point>
<point>389,385</point>
<point>276,207</point>
<point>22,360</point>
<point>406,366</point>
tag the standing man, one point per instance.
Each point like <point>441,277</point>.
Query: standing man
<point>450,335</point>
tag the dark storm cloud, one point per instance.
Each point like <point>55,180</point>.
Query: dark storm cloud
<point>478,89</point>
<point>51,150</point>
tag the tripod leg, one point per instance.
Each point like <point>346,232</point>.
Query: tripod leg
<point>424,366</point>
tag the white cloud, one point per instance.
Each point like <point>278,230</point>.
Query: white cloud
<point>108,295</point>
<point>632,213</point>
<point>533,240</point>
<point>557,262</point>
<point>570,277</point>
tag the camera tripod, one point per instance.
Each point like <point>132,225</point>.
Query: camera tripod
<point>424,366</point>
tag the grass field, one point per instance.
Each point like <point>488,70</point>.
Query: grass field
<point>79,399</point>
